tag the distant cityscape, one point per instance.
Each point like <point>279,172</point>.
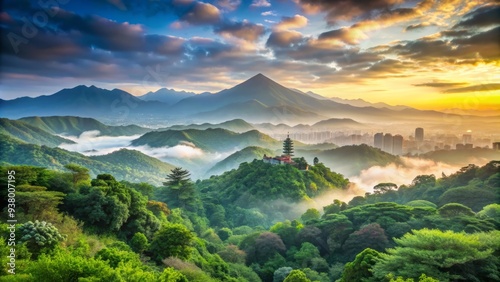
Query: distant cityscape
<point>396,144</point>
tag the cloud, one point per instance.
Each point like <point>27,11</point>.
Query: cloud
<point>244,30</point>
<point>91,143</point>
<point>228,5</point>
<point>284,38</point>
<point>401,174</point>
<point>269,13</point>
<point>440,84</point>
<point>296,21</point>
<point>481,17</point>
<point>260,3</point>
<point>201,14</point>
<point>345,10</point>
<point>347,35</point>
<point>181,151</point>
<point>475,88</point>
<point>416,26</point>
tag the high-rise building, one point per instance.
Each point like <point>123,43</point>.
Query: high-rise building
<point>419,134</point>
<point>496,146</point>
<point>397,145</point>
<point>388,143</point>
<point>467,138</point>
<point>378,140</point>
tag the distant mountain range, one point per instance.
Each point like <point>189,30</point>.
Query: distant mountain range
<point>256,100</point>
<point>354,102</point>
<point>236,125</point>
<point>74,126</point>
<point>167,96</point>
<point>82,101</point>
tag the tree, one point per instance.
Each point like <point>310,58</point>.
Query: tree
<point>369,236</point>
<point>180,191</point>
<point>268,244</point>
<point>360,268</point>
<point>40,236</point>
<point>315,161</point>
<point>382,188</point>
<point>281,273</point>
<point>79,174</point>
<point>443,255</point>
<point>453,209</point>
<point>288,146</point>
<point>139,242</point>
<point>306,254</point>
<point>310,214</point>
<point>296,276</point>
<point>172,240</point>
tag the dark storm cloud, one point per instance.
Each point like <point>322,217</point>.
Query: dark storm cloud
<point>475,88</point>
<point>347,9</point>
<point>244,30</point>
<point>481,17</point>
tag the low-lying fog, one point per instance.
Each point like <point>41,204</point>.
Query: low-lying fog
<point>198,161</point>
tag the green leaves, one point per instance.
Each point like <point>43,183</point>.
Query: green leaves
<point>442,255</point>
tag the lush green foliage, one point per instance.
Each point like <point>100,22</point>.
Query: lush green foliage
<point>128,233</point>
<point>72,125</point>
<point>124,164</point>
<point>29,134</point>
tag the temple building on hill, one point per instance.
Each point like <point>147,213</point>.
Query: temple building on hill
<point>286,158</point>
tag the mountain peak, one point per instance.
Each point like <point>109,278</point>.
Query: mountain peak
<point>260,78</point>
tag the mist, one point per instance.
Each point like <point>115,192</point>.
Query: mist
<point>405,173</point>
<point>89,143</point>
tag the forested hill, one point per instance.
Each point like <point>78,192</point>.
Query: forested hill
<point>265,188</point>
<point>247,154</point>
<point>351,160</point>
<point>124,164</point>
<point>30,134</point>
<point>209,139</point>
<point>74,126</point>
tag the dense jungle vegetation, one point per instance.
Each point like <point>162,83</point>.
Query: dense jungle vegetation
<point>236,227</point>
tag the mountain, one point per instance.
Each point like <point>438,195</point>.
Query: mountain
<point>274,102</point>
<point>211,140</point>
<point>257,100</point>
<point>355,102</point>
<point>463,157</point>
<point>30,134</point>
<point>327,124</point>
<point>236,125</point>
<point>260,192</point>
<point>139,162</point>
<point>82,101</point>
<point>350,160</point>
<point>167,96</point>
<point>247,154</point>
<point>127,165</point>
<point>255,111</point>
<point>74,126</point>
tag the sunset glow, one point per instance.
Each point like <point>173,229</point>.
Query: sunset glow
<point>425,54</point>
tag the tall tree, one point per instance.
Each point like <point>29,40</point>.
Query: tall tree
<point>288,146</point>
<point>180,191</point>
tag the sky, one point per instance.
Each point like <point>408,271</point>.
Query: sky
<point>425,54</point>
